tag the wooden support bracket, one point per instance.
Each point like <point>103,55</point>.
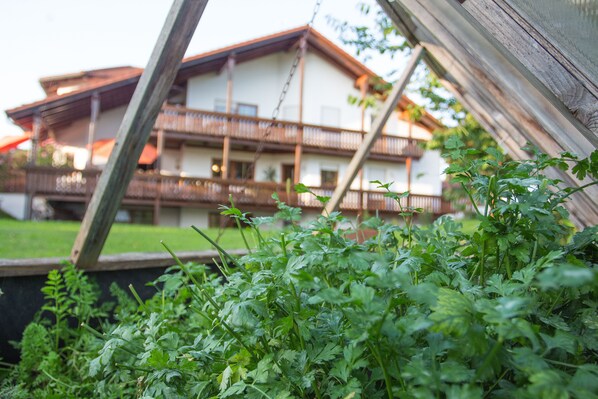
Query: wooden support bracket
<point>135,129</point>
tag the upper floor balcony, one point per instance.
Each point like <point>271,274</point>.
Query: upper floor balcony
<point>211,126</point>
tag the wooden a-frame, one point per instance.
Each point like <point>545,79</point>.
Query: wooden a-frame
<point>135,129</point>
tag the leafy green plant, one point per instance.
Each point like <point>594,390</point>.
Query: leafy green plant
<point>413,312</point>
<point>55,350</point>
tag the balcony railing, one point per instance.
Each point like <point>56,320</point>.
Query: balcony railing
<point>245,128</point>
<point>145,188</point>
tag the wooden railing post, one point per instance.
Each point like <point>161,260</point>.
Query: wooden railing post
<point>298,155</point>
<point>157,200</point>
<point>30,185</point>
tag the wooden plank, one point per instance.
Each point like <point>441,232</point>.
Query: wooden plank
<point>505,130</point>
<point>491,100</point>
<point>535,106</point>
<point>299,144</point>
<point>127,261</point>
<point>514,34</point>
<point>135,129</point>
<point>35,132</point>
<point>376,130</point>
<point>225,167</point>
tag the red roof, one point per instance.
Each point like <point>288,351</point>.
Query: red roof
<point>9,142</point>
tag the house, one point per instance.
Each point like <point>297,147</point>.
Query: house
<point>214,137</point>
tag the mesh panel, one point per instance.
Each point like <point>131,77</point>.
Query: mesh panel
<point>572,25</point>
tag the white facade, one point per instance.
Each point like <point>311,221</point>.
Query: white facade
<point>258,82</point>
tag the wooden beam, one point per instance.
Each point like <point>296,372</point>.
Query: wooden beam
<point>135,129</point>
<point>30,186</point>
<point>363,82</point>
<point>299,143</point>
<point>106,263</point>
<point>158,199</point>
<point>159,150</point>
<point>91,132</point>
<point>538,55</point>
<point>495,103</point>
<point>376,130</point>
<point>36,130</point>
<point>524,95</point>
<point>225,167</point>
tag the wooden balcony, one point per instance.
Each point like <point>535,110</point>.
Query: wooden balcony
<point>148,188</point>
<point>244,129</point>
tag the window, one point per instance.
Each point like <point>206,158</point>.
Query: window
<point>288,173</point>
<point>236,108</point>
<point>216,168</point>
<point>220,106</point>
<point>246,109</point>
<point>331,116</point>
<point>329,178</point>
<point>239,170</point>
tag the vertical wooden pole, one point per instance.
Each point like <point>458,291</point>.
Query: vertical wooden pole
<point>225,168</point>
<point>91,133</point>
<point>363,84</point>
<point>135,129</point>
<point>158,199</point>
<point>376,130</point>
<point>409,160</point>
<point>299,143</point>
<point>159,150</point>
<point>35,132</point>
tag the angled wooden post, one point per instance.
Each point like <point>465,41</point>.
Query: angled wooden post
<point>135,128</point>
<point>299,143</point>
<point>368,141</point>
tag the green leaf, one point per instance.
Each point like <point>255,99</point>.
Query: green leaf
<point>327,353</point>
<point>452,313</point>
<point>565,275</point>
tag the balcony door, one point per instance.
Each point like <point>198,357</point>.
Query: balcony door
<point>239,170</point>
<point>288,173</point>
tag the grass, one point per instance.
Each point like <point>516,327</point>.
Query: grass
<point>469,225</point>
<point>24,239</point>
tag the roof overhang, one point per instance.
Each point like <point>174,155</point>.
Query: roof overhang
<point>473,47</point>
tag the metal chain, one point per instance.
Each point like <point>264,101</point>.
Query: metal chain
<point>299,54</point>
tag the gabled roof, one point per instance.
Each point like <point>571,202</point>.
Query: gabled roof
<point>115,86</point>
<point>78,80</point>
<point>512,70</point>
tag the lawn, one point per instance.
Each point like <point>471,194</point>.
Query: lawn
<point>24,239</point>
<point>19,239</point>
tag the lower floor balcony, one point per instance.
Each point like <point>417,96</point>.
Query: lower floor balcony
<point>62,184</point>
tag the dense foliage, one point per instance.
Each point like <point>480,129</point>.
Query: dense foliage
<point>510,311</point>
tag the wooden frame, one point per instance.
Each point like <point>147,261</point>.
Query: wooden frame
<point>505,96</point>
<point>136,127</point>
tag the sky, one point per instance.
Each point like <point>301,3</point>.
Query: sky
<point>53,37</point>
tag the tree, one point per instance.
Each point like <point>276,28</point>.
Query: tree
<point>379,38</point>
